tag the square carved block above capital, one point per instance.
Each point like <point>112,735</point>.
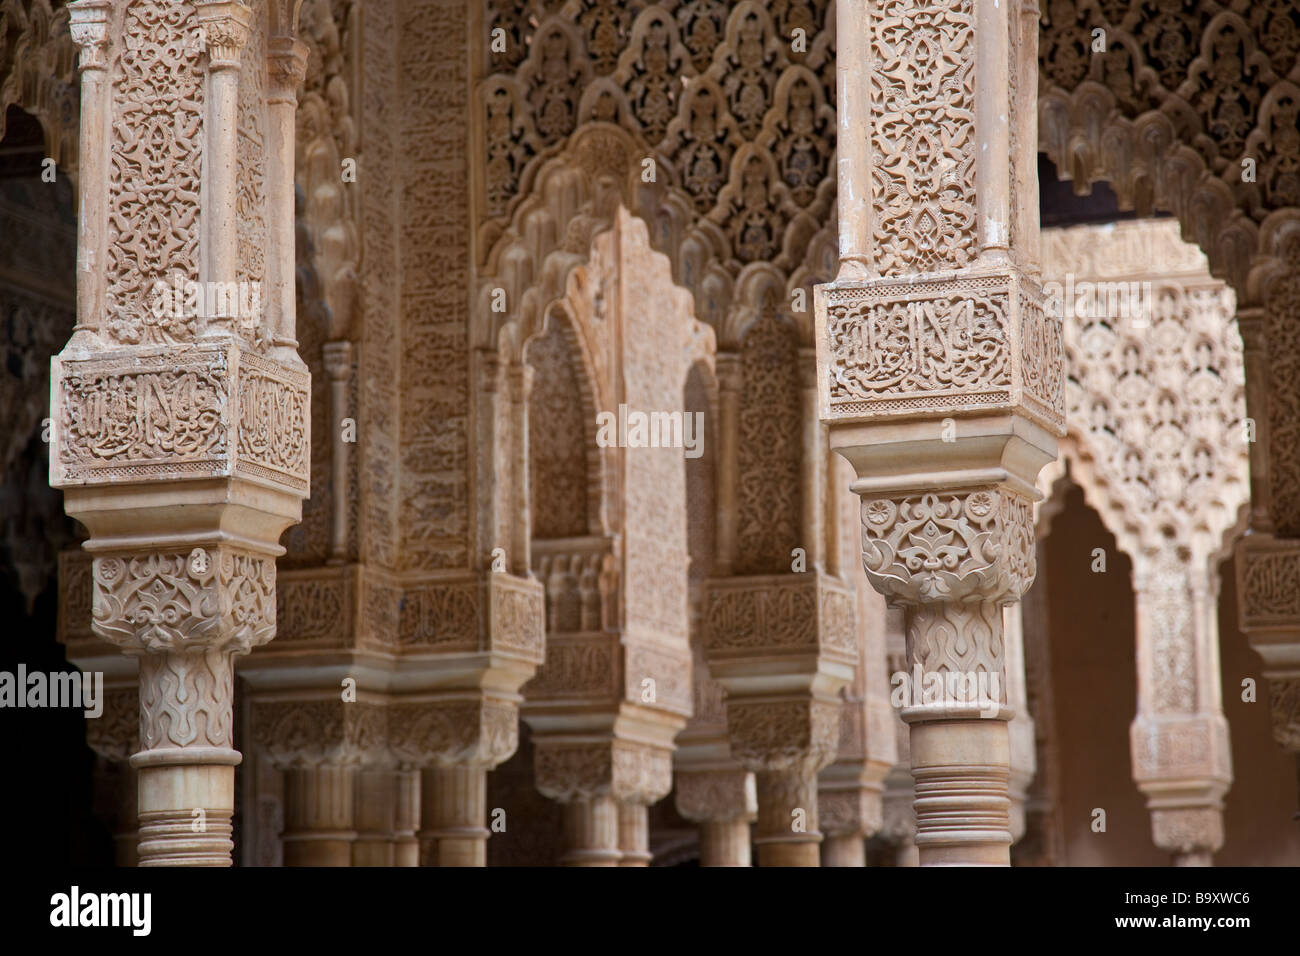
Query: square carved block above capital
<point>929,347</point>
<point>757,619</point>
<point>179,413</point>
<point>1268,590</point>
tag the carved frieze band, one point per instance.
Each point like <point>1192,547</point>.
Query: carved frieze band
<point>1268,582</point>
<point>978,342</point>
<point>780,614</point>
<point>186,412</point>
<point>1179,749</point>
<point>501,612</point>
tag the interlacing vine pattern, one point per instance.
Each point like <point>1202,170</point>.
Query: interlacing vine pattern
<point>157,159</point>
<point>923,135</point>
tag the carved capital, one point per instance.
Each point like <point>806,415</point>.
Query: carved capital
<point>301,734</point>
<point>799,735</point>
<point>88,25</point>
<point>627,771</point>
<point>715,795</point>
<point>288,61</point>
<point>1187,831</point>
<point>852,811</point>
<point>219,599</point>
<point>224,27</point>
<point>455,732</point>
<point>960,546</point>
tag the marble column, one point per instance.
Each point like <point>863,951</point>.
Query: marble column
<point>181,438</point>
<point>940,373</point>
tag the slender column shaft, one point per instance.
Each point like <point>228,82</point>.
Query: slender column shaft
<point>787,818</point>
<point>338,363</point>
<point>520,383</point>
<point>634,834</point>
<point>814,456</point>
<point>375,807</point>
<point>726,474</point>
<point>224,29</point>
<point>318,816</point>
<point>89,28</point>
<point>725,843</point>
<point>961,761</point>
<point>406,845</point>
<point>849,850</point>
<point>289,57</point>
<point>591,832</point>
<point>186,788</point>
<point>454,803</point>
<point>963,805</point>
